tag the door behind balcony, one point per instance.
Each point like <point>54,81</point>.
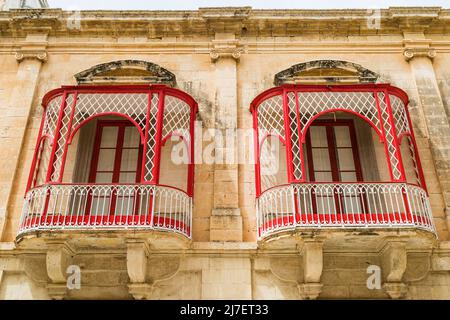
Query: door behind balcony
<point>333,156</point>
<point>116,159</point>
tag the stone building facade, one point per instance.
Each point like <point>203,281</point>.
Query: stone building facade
<point>152,81</point>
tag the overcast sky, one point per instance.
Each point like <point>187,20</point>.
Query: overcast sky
<point>259,4</point>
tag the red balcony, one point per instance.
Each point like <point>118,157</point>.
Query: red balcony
<point>337,157</point>
<point>103,161</point>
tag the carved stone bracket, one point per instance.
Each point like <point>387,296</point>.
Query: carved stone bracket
<point>137,256</point>
<point>59,257</point>
<point>312,255</point>
<point>394,262</point>
<point>226,49</point>
<point>40,55</point>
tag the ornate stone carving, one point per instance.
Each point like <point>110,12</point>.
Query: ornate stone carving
<point>151,73</point>
<point>359,73</point>
<point>40,55</point>
<point>226,49</point>
<point>410,53</point>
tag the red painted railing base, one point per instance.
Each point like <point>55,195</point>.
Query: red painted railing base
<point>375,219</point>
<point>104,222</point>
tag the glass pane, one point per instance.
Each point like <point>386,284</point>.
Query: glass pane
<point>342,134</point>
<point>323,176</point>
<point>103,177</point>
<point>321,159</point>
<point>127,177</point>
<point>318,136</point>
<point>131,137</point>
<point>348,176</point>
<point>106,160</point>
<point>109,137</point>
<point>346,161</point>
<point>129,160</point>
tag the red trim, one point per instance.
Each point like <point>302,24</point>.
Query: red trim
<point>37,154</point>
<point>308,124</point>
<point>158,138</point>
<point>287,133</point>
<point>416,151</point>
<point>69,129</point>
<point>56,137</point>
<point>256,156</point>
<point>386,147</point>
<point>395,138</point>
<point>97,115</point>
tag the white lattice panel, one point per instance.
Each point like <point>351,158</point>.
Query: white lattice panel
<point>389,137</point>
<point>313,103</point>
<point>295,137</point>
<point>151,140</point>
<point>400,118</point>
<point>133,105</point>
<point>62,138</point>
<point>176,117</point>
<point>51,116</point>
<point>270,117</point>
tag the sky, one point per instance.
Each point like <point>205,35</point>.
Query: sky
<point>257,4</point>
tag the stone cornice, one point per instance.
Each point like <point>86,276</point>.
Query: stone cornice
<point>243,21</point>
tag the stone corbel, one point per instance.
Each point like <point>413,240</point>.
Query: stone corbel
<point>226,49</point>
<point>59,257</point>
<point>312,255</point>
<point>137,256</point>
<point>40,55</point>
<point>394,262</point>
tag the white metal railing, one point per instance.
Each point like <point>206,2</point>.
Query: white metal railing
<point>350,205</point>
<point>88,206</point>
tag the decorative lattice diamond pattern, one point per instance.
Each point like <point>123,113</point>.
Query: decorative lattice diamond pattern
<point>295,138</point>
<point>62,138</point>
<point>400,118</point>
<point>176,117</point>
<point>151,140</point>
<point>390,140</point>
<point>134,105</point>
<point>270,117</point>
<point>313,103</point>
<point>51,116</point>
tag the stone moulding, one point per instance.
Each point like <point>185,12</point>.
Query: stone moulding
<point>361,74</point>
<point>156,73</point>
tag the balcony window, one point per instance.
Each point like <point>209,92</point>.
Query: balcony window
<point>337,156</point>
<point>104,160</point>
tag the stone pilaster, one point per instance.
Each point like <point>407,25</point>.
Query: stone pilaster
<point>419,53</point>
<point>30,57</point>
<point>226,220</point>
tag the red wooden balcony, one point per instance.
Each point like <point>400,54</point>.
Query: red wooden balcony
<point>339,156</point>
<point>103,161</point>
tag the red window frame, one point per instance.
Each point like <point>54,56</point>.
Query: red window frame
<point>121,124</point>
<point>332,149</point>
<point>333,156</point>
